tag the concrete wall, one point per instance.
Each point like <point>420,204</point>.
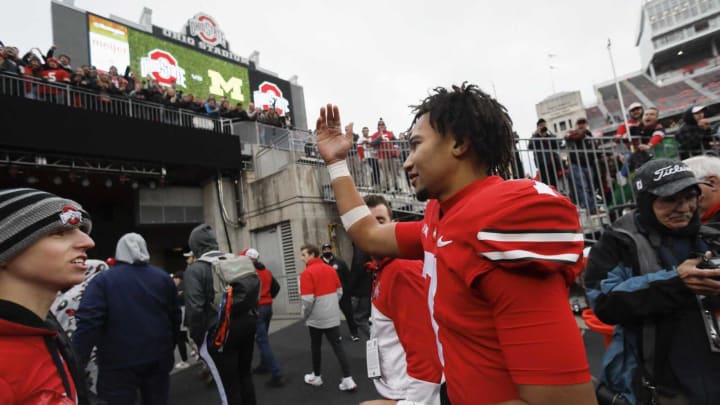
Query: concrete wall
<point>292,195</point>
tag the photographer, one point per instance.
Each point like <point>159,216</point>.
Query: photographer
<point>545,147</point>
<point>643,277</point>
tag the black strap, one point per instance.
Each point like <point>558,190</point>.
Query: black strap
<point>55,354</point>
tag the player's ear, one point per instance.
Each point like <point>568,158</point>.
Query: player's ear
<point>461,145</point>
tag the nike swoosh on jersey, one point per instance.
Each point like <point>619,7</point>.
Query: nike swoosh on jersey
<point>443,243</point>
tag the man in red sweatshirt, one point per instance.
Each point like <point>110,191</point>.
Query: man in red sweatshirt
<point>269,288</point>
<point>43,243</point>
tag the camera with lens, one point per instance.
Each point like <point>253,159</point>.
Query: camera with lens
<point>709,263</point>
<point>710,308</point>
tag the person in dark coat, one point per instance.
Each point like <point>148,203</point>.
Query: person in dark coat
<point>696,135</point>
<point>231,367</point>
<point>359,289</point>
<point>131,313</point>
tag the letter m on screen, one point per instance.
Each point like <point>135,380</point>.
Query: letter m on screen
<point>220,86</point>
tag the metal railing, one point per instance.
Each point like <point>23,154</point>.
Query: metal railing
<point>119,105</point>
<point>596,178</point>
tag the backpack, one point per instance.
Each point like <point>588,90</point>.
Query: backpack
<point>236,289</point>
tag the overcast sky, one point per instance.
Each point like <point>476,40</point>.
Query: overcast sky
<point>374,58</point>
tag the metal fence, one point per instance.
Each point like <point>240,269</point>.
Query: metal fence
<point>597,178</point>
<point>77,97</point>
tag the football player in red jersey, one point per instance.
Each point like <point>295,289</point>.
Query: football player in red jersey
<point>498,254</point>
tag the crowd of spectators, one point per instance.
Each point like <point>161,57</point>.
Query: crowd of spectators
<point>110,84</point>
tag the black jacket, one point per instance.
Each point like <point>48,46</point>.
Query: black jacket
<point>342,270</point>
<point>622,294</point>
<point>200,314</point>
<point>691,137</point>
<point>360,278</point>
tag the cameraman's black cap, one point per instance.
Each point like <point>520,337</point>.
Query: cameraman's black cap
<point>664,177</point>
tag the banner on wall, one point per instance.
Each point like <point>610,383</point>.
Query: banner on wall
<point>270,92</point>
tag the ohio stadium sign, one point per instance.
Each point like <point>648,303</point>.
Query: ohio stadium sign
<point>201,32</point>
<point>205,28</point>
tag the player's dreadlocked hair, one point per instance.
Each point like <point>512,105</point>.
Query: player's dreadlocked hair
<point>467,111</point>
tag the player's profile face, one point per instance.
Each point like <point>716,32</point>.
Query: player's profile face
<point>430,164</point>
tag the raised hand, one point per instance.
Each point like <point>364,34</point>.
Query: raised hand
<point>332,144</point>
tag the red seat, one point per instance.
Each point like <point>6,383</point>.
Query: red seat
<point>598,326</point>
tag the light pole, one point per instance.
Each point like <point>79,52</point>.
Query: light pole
<point>551,67</point>
<point>617,87</point>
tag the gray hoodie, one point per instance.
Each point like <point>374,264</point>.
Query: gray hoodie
<point>131,248</point>
<point>202,240</point>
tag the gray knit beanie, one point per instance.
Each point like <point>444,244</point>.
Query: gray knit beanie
<point>27,214</point>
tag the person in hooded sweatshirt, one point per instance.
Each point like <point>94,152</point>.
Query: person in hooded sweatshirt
<point>231,367</point>
<point>43,243</point>
<point>130,312</point>
<point>695,136</point>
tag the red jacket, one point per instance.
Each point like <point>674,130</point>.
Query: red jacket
<point>266,280</point>
<point>320,290</point>
<point>33,370</point>
<point>382,142</point>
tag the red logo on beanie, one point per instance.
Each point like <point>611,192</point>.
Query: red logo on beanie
<point>70,216</point>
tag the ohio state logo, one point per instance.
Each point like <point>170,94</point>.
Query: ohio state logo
<point>163,67</point>
<point>70,216</point>
<point>269,95</point>
<point>204,27</point>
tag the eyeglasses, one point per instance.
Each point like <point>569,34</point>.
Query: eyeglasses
<point>677,200</point>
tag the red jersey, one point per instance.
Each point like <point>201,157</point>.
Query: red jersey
<point>499,256</point>
<point>265,284</point>
<point>410,365</point>
<point>54,75</point>
<point>385,149</point>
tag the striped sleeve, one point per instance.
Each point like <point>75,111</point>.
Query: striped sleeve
<point>532,229</point>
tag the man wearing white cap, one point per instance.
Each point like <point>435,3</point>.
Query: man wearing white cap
<point>635,113</point>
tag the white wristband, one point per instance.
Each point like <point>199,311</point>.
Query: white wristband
<point>349,218</point>
<point>338,169</point>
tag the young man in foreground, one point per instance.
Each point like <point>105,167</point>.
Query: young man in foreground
<point>499,254</point>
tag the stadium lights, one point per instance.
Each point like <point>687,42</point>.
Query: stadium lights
<point>57,180</point>
<point>33,180</point>
<point>108,182</point>
<point>85,182</point>
<point>680,52</point>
